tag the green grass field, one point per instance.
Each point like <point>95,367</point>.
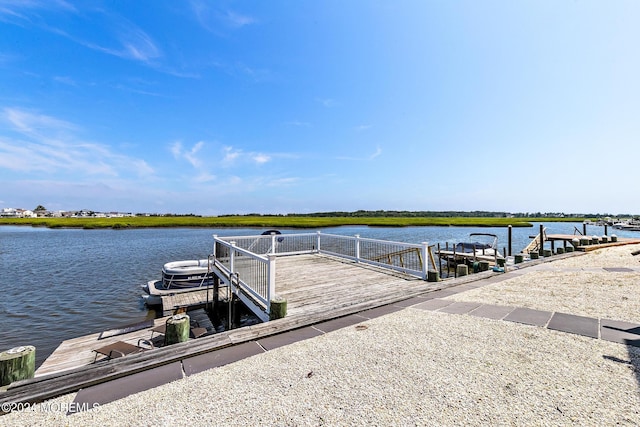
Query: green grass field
<point>274,222</point>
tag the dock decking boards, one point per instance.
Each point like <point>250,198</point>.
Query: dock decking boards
<point>314,285</point>
<point>319,288</point>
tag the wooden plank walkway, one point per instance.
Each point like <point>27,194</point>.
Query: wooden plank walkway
<point>568,238</point>
<point>194,299</point>
<point>321,283</point>
<point>79,351</point>
<point>312,285</point>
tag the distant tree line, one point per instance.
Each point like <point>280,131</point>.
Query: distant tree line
<point>440,214</point>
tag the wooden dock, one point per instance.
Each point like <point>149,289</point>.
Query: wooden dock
<point>190,300</point>
<point>567,239</point>
<point>78,352</point>
<point>314,285</point>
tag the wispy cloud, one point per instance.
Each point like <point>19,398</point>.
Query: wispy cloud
<point>297,123</point>
<point>233,155</point>
<point>190,155</point>
<point>377,153</point>
<point>130,42</point>
<point>372,156</point>
<point>35,142</point>
<point>327,102</point>
<point>125,39</point>
<point>65,80</point>
<point>12,10</point>
<point>261,158</point>
<point>213,17</point>
<point>362,128</point>
<point>238,20</point>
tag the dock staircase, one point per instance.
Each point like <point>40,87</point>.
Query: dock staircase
<point>535,244</point>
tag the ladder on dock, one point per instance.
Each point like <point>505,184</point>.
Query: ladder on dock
<point>535,244</point>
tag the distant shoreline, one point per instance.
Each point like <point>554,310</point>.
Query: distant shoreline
<point>257,221</point>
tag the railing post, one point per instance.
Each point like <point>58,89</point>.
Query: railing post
<point>273,243</point>
<point>425,260</point>
<point>232,253</point>
<point>357,248</point>
<point>318,240</point>
<point>271,272</point>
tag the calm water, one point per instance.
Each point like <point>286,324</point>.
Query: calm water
<point>57,284</point>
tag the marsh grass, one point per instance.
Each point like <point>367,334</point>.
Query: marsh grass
<point>274,221</point>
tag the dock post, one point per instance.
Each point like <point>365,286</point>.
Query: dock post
<point>462,270</point>
<point>510,237</point>
<point>277,308</point>
<point>584,228</point>
<point>272,276</point>
<point>216,298</point>
<point>177,329</point>
<point>18,363</point>
<point>605,230</point>
<point>426,256</point>
<point>541,238</point>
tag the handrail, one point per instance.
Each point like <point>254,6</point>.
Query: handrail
<point>356,248</point>
<point>253,259</point>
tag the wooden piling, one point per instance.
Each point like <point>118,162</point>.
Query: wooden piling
<point>277,308</point>
<point>433,276</point>
<point>18,363</point>
<point>178,327</point>
<point>462,270</point>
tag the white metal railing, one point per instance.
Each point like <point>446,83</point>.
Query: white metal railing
<point>255,273</point>
<point>253,257</point>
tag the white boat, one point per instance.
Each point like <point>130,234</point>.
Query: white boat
<point>178,277</point>
<point>630,225</point>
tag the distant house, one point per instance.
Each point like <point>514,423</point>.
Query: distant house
<point>18,213</point>
<point>9,213</point>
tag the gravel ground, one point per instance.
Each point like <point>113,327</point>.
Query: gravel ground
<point>412,367</point>
<point>576,285</point>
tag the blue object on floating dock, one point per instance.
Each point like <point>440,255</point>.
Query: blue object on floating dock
<point>498,269</point>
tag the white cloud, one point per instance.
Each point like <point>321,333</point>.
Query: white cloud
<point>372,156</point>
<point>327,102</point>
<point>176,149</point>
<point>230,154</point>
<point>132,43</point>
<point>237,20</point>
<point>261,158</point>
<point>298,123</point>
<point>205,177</point>
<point>376,154</point>
<point>51,145</point>
<point>211,16</point>
<point>190,156</point>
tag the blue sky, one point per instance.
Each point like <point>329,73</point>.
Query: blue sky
<point>217,107</point>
